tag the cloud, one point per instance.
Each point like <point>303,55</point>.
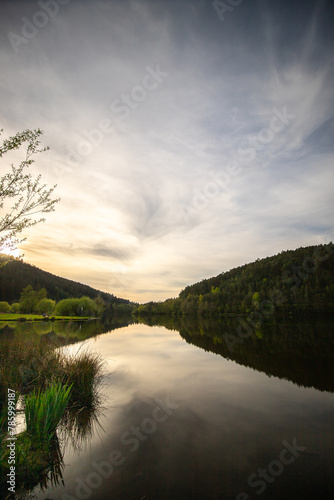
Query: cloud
<point>122,255</point>
<point>321,139</point>
<point>143,196</point>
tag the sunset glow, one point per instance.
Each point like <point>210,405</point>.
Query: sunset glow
<point>183,142</point>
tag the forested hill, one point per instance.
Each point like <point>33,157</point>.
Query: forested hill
<point>301,278</point>
<point>16,275</point>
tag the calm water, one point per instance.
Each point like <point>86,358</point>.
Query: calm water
<point>183,417</point>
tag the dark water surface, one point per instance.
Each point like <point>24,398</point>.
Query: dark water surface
<point>182,421</point>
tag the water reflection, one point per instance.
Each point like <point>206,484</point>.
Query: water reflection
<point>181,422</point>
<point>300,351</point>
<point>47,472</point>
<point>62,332</point>
<point>79,425</point>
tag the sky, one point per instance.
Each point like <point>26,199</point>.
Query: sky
<point>186,137</point>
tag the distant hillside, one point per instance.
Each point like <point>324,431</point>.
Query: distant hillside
<point>302,278</point>
<point>16,275</point>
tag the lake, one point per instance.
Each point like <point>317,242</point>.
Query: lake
<point>185,417</point>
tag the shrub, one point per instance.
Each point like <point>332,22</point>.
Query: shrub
<point>66,307</point>
<point>86,307</point>
<point>4,307</point>
<point>15,308</point>
<point>76,307</point>
<point>45,306</point>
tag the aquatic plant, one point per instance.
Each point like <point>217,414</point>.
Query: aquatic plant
<point>83,372</point>
<point>44,410</point>
<point>60,393</point>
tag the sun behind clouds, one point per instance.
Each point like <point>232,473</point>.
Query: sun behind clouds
<point>10,251</point>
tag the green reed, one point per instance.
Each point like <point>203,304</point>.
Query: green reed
<point>44,410</point>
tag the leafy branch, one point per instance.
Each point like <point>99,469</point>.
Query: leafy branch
<point>27,195</point>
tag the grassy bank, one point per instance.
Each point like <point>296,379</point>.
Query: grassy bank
<point>39,317</point>
<point>52,388</point>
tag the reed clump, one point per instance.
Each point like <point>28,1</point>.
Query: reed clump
<point>44,410</point>
<point>54,385</point>
<point>83,372</point>
<point>27,365</point>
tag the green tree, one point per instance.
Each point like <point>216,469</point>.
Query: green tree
<point>83,306</point>
<point>21,195</point>
<point>30,298</point>
<point>66,307</point>
<point>86,307</point>
<point>45,306</point>
<point>256,300</point>
<point>100,305</point>
<point>15,308</point>
<point>4,307</point>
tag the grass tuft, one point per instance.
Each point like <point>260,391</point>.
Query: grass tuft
<point>60,390</point>
<point>44,410</point>
<point>83,372</point>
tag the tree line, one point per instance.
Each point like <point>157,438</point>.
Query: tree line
<point>294,279</point>
<point>36,302</point>
<point>16,274</point>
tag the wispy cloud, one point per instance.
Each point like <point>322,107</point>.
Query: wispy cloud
<point>128,206</point>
